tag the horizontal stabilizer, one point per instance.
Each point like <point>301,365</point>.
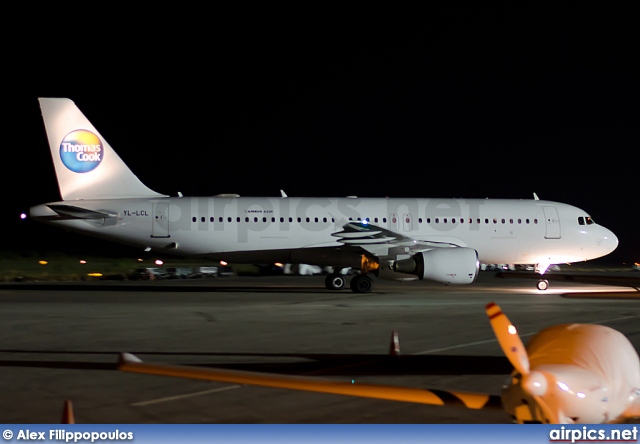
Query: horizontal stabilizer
<point>71,212</point>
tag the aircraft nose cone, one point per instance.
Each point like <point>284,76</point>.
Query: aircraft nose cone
<point>609,241</point>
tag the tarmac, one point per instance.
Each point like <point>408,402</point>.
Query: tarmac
<point>61,341</point>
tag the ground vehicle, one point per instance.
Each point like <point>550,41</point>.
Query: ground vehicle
<point>148,274</point>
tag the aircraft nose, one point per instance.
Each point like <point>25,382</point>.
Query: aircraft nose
<point>608,240</point>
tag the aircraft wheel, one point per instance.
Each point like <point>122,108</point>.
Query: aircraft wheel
<point>335,281</point>
<point>542,284</point>
<point>361,283</point>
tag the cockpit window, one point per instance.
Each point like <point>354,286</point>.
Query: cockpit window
<point>585,220</point>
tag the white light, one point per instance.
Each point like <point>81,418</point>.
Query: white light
<point>223,263</point>
<point>512,330</point>
<point>23,216</point>
<point>563,386</point>
<point>581,395</point>
<point>158,262</point>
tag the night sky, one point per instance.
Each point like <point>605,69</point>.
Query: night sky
<point>469,102</point>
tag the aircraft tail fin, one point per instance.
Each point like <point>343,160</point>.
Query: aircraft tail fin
<point>86,165</point>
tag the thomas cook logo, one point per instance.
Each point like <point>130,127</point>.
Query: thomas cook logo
<point>81,151</point>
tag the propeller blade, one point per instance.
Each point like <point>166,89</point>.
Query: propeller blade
<point>533,382</point>
<point>508,337</point>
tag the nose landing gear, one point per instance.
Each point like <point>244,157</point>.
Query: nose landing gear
<point>542,284</point>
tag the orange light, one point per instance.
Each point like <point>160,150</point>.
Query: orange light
<point>43,262</point>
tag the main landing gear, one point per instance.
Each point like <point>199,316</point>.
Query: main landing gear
<point>360,283</point>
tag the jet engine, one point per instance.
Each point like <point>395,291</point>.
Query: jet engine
<point>457,265</point>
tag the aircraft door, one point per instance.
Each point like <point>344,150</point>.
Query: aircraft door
<point>160,224</point>
<point>407,221</point>
<point>552,223</point>
<point>393,222</point>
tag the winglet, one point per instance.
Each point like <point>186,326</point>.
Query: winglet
<point>394,347</point>
<point>67,413</point>
<point>127,358</point>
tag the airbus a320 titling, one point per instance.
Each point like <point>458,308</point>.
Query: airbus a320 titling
<point>437,239</point>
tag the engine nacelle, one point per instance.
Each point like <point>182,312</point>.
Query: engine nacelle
<point>459,265</point>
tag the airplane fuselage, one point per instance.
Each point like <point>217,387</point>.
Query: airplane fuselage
<point>250,229</point>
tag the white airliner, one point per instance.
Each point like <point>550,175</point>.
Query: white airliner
<point>568,374</point>
<point>432,238</point>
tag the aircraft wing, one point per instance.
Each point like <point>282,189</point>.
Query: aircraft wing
<point>130,363</point>
<point>382,242</point>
